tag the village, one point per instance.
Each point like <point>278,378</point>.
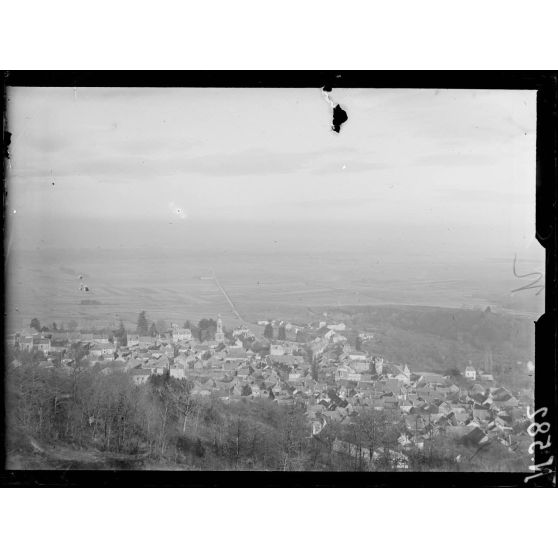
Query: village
<point>311,365</point>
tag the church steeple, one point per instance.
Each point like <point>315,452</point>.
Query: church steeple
<point>219,335</point>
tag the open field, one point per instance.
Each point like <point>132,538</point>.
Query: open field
<point>179,286</point>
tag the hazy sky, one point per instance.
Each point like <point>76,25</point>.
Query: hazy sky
<point>413,162</point>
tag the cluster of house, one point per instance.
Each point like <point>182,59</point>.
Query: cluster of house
<point>470,409</point>
<point>29,340</point>
<point>424,405</point>
<point>330,378</point>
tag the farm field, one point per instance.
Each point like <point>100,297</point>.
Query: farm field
<point>180,286</point>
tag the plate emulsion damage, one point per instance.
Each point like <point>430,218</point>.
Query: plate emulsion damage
<point>7,141</point>
<point>339,114</point>
<point>339,117</point>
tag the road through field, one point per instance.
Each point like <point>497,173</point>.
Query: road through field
<point>228,298</point>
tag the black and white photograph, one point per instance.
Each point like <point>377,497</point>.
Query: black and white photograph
<point>303,279</point>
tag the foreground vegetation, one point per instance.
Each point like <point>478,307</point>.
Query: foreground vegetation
<point>90,419</point>
<point>157,422</point>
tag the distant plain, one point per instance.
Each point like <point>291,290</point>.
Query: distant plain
<point>177,286</point>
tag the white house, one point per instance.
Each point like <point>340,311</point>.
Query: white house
<point>26,343</point>
<point>140,378</point>
<point>343,372</point>
<point>357,355</point>
<point>100,338</point>
<point>360,365</point>
<point>145,341</point>
<point>470,372</point>
<point>133,339</point>
<point>276,350</point>
<point>242,330</point>
<point>102,349</point>
<point>42,344</point>
<point>179,373</point>
<point>181,334</point>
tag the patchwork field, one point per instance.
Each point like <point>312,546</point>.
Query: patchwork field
<point>179,286</point>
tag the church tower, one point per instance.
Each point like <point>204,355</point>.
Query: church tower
<point>219,335</point>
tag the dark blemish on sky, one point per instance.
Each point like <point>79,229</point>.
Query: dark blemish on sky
<point>339,117</point>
